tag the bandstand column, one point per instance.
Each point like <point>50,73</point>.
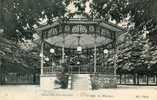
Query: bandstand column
<point>115,60</point>
<point>42,56</point>
<point>63,48</point>
<point>95,58</point>
<point>115,54</point>
<point>47,81</point>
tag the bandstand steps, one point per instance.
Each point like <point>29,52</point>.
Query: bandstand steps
<point>81,82</point>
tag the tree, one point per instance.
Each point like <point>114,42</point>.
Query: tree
<point>136,55</point>
<point>110,9</point>
<point>22,15</point>
<point>13,58</point>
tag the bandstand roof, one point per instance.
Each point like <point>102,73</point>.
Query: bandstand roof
<point>80,31</point>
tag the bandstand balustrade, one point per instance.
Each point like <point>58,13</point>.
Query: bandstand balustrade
<point>78,69</point>
<point>51,70</point>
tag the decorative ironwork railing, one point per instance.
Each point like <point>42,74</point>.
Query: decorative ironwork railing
<point>105,70</point>
<point>78,69</point>
<point>51,70</point>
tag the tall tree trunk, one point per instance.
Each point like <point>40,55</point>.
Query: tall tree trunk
<point>147,77</point>
<point>1,14</point>
<point>0,72</point>
<point>156,78</point>
<point>34,78</point>
<point>120,78</point>
<point>34,75</point>
<point>134,79</point>
<point>137,79</point>
<point>125,78</point>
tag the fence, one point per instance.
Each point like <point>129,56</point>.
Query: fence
<point>20,78</point>
<point>129,79</point>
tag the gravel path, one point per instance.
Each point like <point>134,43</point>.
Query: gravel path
<point>33,92</point>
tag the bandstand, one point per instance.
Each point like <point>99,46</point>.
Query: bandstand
<point>78,47</point>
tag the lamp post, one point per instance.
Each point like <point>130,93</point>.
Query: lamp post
<point>79,48</point>
<point>105,51</point>
<point>52,51</point>
<point>47,59</point>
